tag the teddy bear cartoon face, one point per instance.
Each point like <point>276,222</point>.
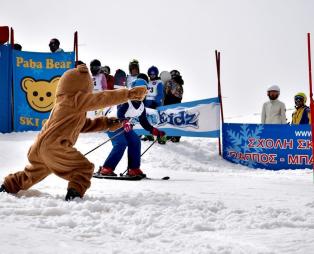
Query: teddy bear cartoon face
<point>40,94</point>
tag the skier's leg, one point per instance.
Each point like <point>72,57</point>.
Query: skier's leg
<point>119,144</point>
<point>134,150</point>
<point>32,174</point>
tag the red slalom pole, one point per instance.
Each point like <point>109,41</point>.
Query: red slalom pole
<point>12,38</point>
<point>311,93</point>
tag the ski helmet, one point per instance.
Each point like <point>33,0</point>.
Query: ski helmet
<point>153,70</point>
<point>139,82</point>
<point>274,88</point>
<point>300,96</point>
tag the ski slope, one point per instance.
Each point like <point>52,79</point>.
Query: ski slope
<point>208,206</point>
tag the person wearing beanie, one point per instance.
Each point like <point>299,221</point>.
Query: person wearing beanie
<point>99,78</point>
<point>134,70</point>
<point>128,139</point>
<point>109,78</point>
<point>302,114</point>
<point>53,150</point>
<point>274,111</point>
<point>174,94</point>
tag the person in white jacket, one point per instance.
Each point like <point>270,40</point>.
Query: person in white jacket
<point>274,111</point>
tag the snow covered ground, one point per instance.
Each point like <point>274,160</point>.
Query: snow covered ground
<point>208,206</point>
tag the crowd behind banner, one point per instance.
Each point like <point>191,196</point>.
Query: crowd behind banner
<point>164,88</point>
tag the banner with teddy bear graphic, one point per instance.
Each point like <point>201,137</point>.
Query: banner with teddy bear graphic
<point>36,76</point>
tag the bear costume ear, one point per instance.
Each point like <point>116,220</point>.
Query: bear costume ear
<point>55,81</point>
<point>26,83</point>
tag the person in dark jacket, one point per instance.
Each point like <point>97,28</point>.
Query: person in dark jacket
<point>174,94</point>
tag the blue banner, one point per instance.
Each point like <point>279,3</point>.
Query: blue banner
<point>268,146</point>
<point>5,88</point>
<point>36,76</point>
<point>193,119</point>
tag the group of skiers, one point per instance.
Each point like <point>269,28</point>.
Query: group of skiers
<point>159,92</point>
<point>274,111</point>
<point>163,88</point>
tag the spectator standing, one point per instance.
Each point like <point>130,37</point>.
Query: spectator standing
<point>54,46</point>
<point>134,70</point>
<point>99,79</point>
<point>174,94</point>
<point>17,46</point>
<point>302,114</point>
<point>109,78</point>
<point>274,111</point>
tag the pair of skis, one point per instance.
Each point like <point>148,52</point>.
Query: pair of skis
<point>127,177</point>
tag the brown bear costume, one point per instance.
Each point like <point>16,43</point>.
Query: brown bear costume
<point>53,151</point>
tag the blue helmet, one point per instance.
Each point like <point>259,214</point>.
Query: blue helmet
<point>153,71</point>
<point>139,82</point>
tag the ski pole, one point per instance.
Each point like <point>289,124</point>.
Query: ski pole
<point>109,139</point>
<point>121,174</point>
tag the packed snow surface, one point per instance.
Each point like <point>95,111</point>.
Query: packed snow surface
<point>208,206</point>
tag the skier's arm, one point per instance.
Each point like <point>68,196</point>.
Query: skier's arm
<point>122,110</point>
<point>100,124</point>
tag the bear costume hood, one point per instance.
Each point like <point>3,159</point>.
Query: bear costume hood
<point>75,80</point>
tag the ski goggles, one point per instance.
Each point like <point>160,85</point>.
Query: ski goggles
<point>298,98</point>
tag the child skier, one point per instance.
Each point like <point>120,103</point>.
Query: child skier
<point>129,138</point>
<point>154,97</point>
<point>134,70</point>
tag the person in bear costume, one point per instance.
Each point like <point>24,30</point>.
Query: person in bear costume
<point>53,151</point>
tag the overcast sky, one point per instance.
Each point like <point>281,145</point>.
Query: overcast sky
<point>262,42</point>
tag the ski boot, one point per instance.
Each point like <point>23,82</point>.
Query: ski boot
<point>2,188</point>
<point>162,140</point>
<point>135,172</point>
<point>105,171</point>
<point>72,194</point>
<point>148,138</point>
